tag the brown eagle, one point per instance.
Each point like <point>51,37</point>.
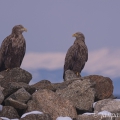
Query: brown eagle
<point>77,55</point>
<point>13,49</point>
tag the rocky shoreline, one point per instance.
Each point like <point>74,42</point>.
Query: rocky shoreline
<point>84,98</point>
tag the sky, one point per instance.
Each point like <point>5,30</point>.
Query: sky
<point>51,23</point>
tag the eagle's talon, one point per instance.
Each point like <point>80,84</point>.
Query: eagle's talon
<point>77,74</point>
<point>7,69</point>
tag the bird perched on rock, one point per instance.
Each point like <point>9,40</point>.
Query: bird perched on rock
<point>77,55</point>
<point>13,49</point>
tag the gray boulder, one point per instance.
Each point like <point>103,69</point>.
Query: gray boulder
<point>117,118</point>
<point>14,86</point>
<point>14,75</point>
<point>9,112</point>
<point>1,88</point>
<point>103,87</point>
<point>110,105</point>
<point>94,117</point>
<point>53,104</point>
<point>80,93</point>
<point>32,106</point>
<point>70,75</point>
<point>1,96</point>
<point>15,103</point>
<point>62,85</point>
<point>18,99</point>
<point>43,84</point>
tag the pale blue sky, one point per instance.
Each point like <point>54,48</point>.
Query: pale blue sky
<point>51,23</point>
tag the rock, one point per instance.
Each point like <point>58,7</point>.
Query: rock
<point>43,84</point>
<point>103,87</point>
<point>32,106</point>
<point>61,85</point>
<point>80,93</point>
<point>1,88</point>
<point>37,117</point>
<point>110,105</point>
<point>9,112</point>
<point>1,96</point>
<point>15,103</point>
<point>117,118</point>
<point>18,98</point>
<point>53,104</point>
<point>21,95</point>
<point>14,86</point>
<point>93,117</point>
<point>14,75</point>
<point>70,75</point>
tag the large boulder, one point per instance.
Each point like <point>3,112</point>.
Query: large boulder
<point>110,105</point>
<point>1,96</point>
<point>14,75</point>
<point>53,104</point>
<point>70,75</point>
<point>62,85</point>
<point>9,112</point>
<point>32,106</point>
<point>117,118</point>
<point>43,84</point>
<point>14,86</point>
<point>15,103</point>
<point>81,93</point>
<point>94,117</point>
<point>103,87</point>
<point>18,99</point>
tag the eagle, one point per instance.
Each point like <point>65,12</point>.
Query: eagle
<point>77,55</point>
<point>13,49</point>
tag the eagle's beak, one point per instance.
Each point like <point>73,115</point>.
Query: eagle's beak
<point>24,29</point>
<point>74,35</point>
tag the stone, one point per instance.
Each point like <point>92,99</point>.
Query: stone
<point>94,117</point>
<point>43,84</point>
<point>81,93</point>
<point>103,87</point>
<point>1,96</point>
<point>14,86</point>
<point>117,117</point>
<point>32,106</point>
<point>61,85</point>
<point>70,75</point>
<point>9,112</point>
<point>14,75</point>
<point>18,98</point>
<point>37,117</point>
<point>15,103</point>
<point>1,88</point>
<point>110,105</point>
<point>53,104</point>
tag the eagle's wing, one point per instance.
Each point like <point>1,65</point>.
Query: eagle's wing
<point>83,55</point>
<point>86,53</point>
<point>71,57</point>
<point>4,50</point>
<point>22,53</point>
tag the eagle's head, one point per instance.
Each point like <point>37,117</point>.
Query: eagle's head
<point>18,29</point>
<point>79,35</point>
